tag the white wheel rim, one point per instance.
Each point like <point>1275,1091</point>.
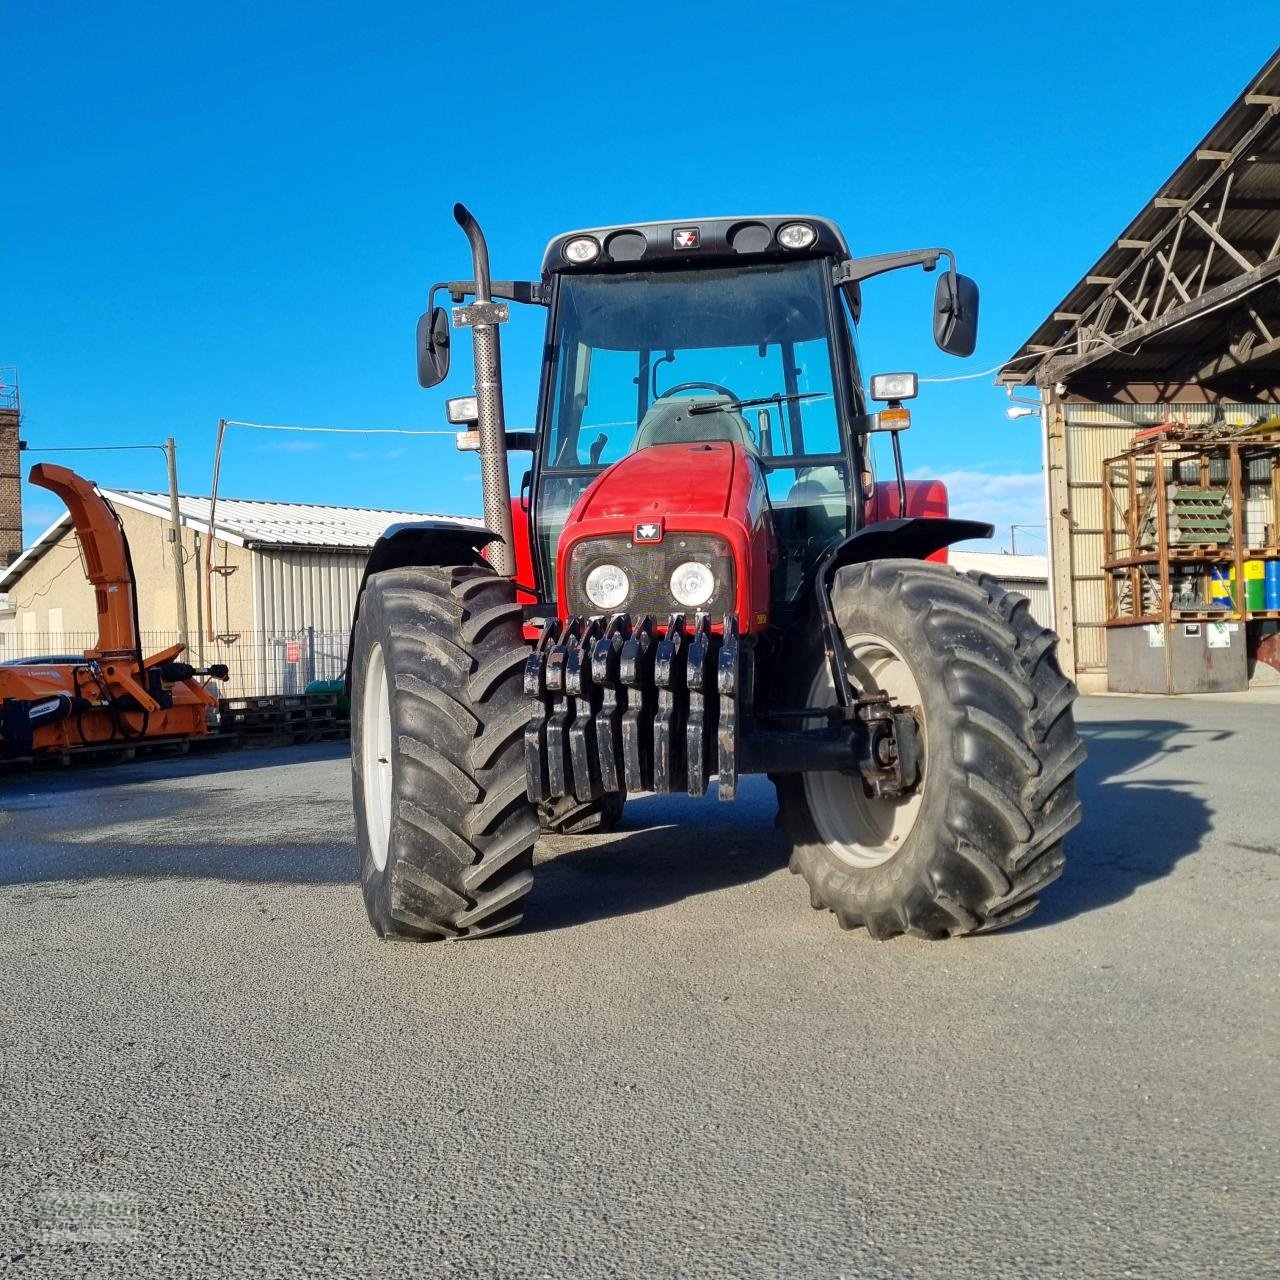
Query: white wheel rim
<point>863,830</point>
<point>375,761</point>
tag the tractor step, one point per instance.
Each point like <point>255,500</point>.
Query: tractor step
<point>622,706</point>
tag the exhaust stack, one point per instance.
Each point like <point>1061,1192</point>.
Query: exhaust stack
<point>483,317</point>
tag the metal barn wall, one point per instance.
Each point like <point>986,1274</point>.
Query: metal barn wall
<point>1093,433</point>
<point>1037,592</point>
<point>1027,575</point>
<point>294,590</point>
<point>303,595</point>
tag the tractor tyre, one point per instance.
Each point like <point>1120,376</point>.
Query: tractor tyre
<point>444,827</point>
<point>569,818</point>
<point>969,849</point>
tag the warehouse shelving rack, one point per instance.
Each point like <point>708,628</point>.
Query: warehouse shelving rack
<point>1157,572</point>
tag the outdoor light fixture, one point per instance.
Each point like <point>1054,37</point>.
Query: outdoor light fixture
<point>462,410</point>
<point>894,386</point>
<point>581,250</point>
<point>1021,407</point>
<point>796,235</point>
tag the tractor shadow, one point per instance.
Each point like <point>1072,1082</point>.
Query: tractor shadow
<point>1138,825</point>
<point>666,849</point>
<point>1141,817</point>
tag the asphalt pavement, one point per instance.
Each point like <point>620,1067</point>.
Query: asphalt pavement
<point>209,1065</point>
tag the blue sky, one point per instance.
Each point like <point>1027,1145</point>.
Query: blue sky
<point>235,210</point>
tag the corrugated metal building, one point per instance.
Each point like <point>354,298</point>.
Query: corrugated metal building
<point>276,607</point>
<point>304,561</point>
<point>1178,321</point>
<point>1027,575</point>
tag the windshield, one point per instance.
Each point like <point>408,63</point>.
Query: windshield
<point>737,353</point>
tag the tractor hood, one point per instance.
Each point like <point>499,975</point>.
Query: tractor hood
<point>664,481</point>
<point>665,504</point>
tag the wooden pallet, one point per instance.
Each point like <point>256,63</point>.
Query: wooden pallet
<point>284,720</point>
<point>1198,550</point>
<point>263,706</point>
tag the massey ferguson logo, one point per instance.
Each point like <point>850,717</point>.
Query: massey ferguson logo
<point>651,531</point>
<point>684,238</point>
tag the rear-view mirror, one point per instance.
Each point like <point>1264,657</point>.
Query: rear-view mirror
<point>955,314</point>
<point>433,347</point>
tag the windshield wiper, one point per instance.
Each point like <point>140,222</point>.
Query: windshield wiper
<point>711,406</point>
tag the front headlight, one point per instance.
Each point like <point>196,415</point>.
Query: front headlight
<point>683,573</point>
<point>607,586</point>
<point>693,584</point>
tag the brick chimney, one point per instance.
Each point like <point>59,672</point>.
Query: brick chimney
<point>10,470</point>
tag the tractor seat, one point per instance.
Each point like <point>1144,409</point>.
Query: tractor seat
<point>670,422</point>
<point>817,504</point>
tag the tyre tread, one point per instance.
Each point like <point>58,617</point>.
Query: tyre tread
<point>463,828</point>
<point>1011,778</point>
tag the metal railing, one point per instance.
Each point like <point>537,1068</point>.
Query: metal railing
<point>9,387</point>
<point>261,663</point>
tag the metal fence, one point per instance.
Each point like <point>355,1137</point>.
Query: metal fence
<point>261,663</point>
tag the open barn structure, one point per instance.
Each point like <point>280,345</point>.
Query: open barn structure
<point>1177,323</point>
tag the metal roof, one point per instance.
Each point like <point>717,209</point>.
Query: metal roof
<point>248,523</point>
<point>1001,564</point>
<point>251,522</point>
<point>1185,304</point>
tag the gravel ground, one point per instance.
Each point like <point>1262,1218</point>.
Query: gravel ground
<point>676,1068</point>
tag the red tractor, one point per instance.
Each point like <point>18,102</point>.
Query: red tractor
<point>701,579</point>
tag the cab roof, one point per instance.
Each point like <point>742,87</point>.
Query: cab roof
<point>690,241</point>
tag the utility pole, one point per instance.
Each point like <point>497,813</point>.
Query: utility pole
<point>195,535</point>
<point>175,540</point>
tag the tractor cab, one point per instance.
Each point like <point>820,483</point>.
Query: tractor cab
<point>733,331</point>
<point>749,346</point>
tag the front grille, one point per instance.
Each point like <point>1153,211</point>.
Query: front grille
<point>649,567</point>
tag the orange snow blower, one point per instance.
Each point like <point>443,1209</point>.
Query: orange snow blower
<point>113,694</point>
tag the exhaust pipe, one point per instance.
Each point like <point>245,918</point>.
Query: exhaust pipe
<point>484,316</point>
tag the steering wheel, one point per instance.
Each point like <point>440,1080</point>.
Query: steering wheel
<point>706,386</point>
